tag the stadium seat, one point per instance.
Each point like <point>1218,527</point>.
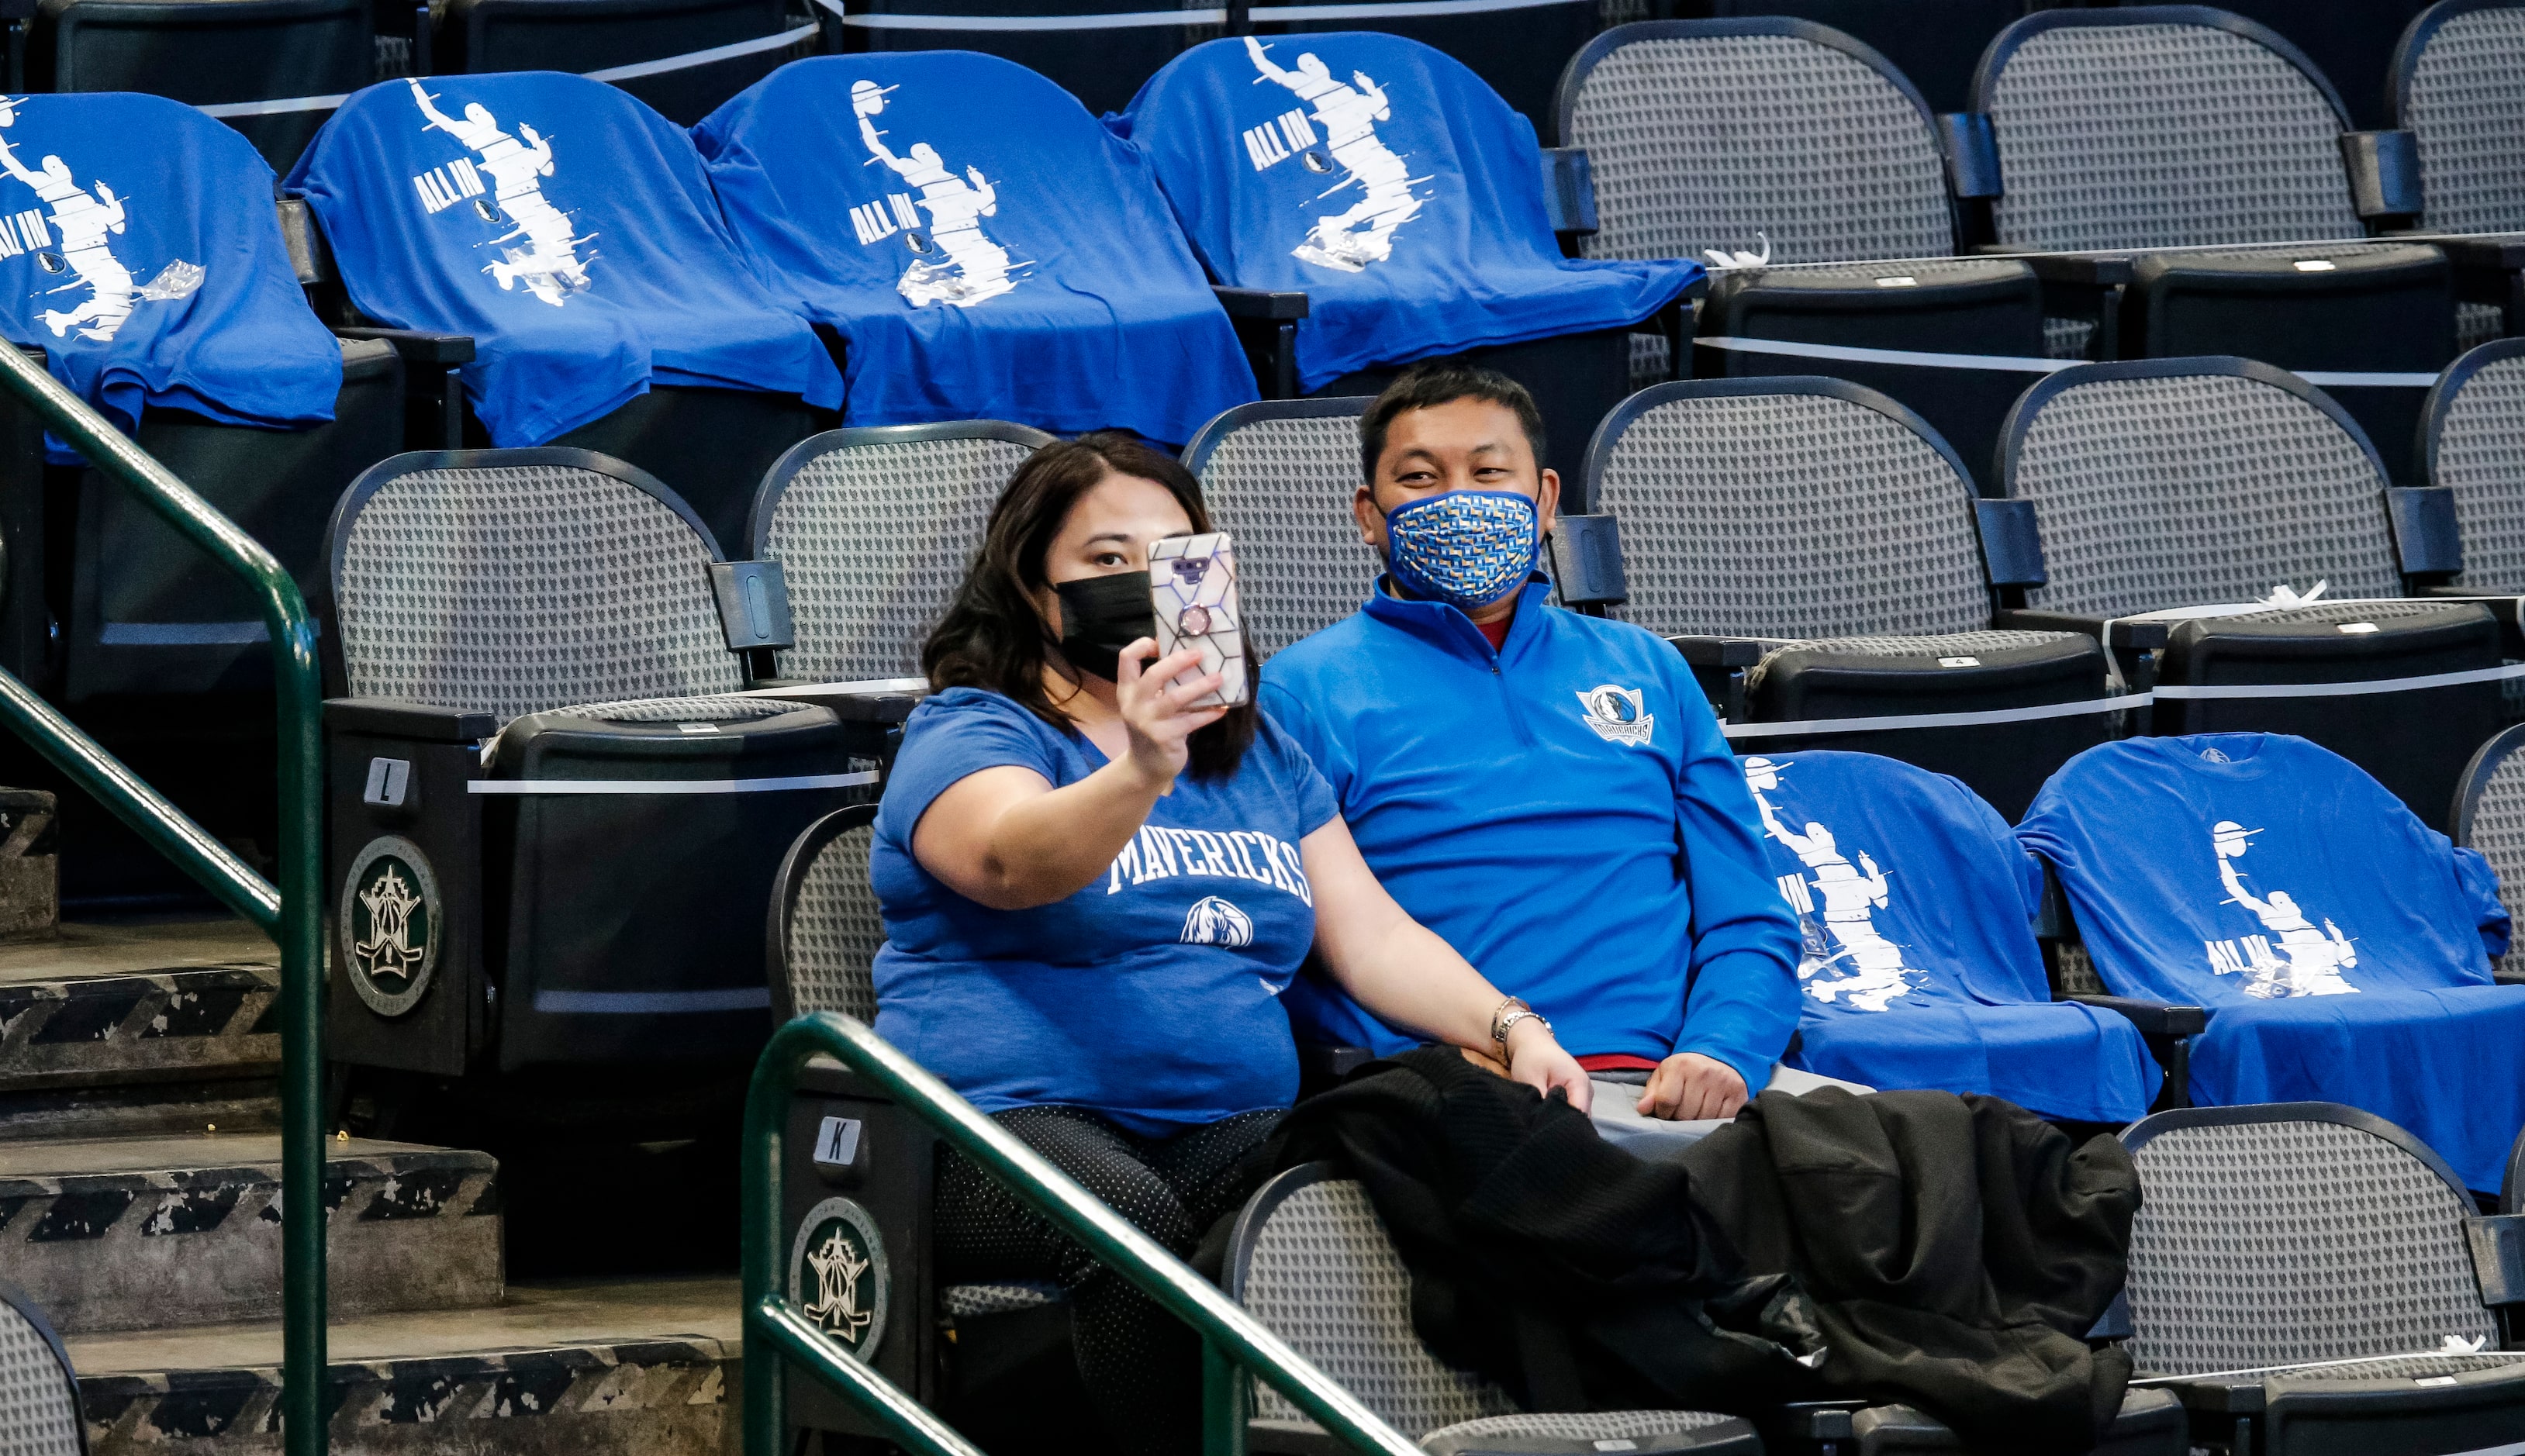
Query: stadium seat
<point>1817,554</point>
<point>2489,816</point>
<point>2165,485</point>
<point>2206,177</point>
<point>2349,42</point>
<point>1406,203</point>
<point>2341,947</point>
<point>963,1348</point>
<point>1782,139</point>
<point>225,56</point>
<point>1278,476</point>
<point>2459,88</point>
<point>2472,460</point>
<point>571,232</point>
<point>1934,42</point>
<point>41,1409</point>
<point>502,626</point>
<point>1876,856</point>
<point>1007,257</point>
<point>1073,43</point>
<point>1518,50</point>
<point>2309,1278</point>
<point>1311,1260</point>
<point>178,309</point>
<point>624,42</point>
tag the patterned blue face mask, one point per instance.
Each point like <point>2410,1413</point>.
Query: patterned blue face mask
<point>1466,548</point>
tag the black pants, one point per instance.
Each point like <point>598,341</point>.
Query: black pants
<point>1141,1365</point>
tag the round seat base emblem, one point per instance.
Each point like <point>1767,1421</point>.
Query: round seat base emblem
<point>838,1275</point>
<point>389,919</point>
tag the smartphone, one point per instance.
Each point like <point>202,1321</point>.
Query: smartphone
<point>1192,590</point>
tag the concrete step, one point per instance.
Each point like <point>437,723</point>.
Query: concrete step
<point>176,1000</point>
<point>643,1368</point>
<point>160,1232</point>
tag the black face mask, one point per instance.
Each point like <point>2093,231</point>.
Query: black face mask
<point>1100,615</point>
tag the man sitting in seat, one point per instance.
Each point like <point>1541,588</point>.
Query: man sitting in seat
<point>1548,792</point>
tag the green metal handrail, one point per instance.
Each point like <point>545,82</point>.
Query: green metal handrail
<point>292,913</point>
<point>1233,1342</point>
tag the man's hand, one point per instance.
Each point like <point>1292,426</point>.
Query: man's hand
<point>1688,1087</point>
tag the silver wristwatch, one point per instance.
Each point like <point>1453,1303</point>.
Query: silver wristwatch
<point>1510,1013</point>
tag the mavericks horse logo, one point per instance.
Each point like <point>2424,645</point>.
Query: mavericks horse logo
<point>1212,921</point>
<point>389,917</point>
<point>838,1275</point>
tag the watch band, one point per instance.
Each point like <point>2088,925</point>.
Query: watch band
<point>1512,1011</point>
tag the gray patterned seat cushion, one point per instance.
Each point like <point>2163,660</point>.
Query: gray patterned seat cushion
<point>1791,516</point>
<point>1282,487</point>
<point>1700,142</point>
<point>974,1301</point>
<point>1921,651</point>
<point>2466,103</point>
<point>2161,135</point>
<point>835,931</point>
<point>2499,833</point>
<point>2266,1245</point>
<point>2196,489</point>
<point>39,1414</point>
<point>1606,1431</point>
<point>505,589</point>
<point>2480,456</point>
<point>873,539</point>
<point>722,708</point>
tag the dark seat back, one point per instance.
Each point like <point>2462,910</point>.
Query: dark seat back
<point>1520,50</point>
<point>1101,64</point>
<point>211,55</point>
<point>586,37</point>
<point>2472,443</point>
<point>1934,42</point>
<point>2458,87</point>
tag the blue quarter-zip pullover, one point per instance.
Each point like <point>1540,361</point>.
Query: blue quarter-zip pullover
<point>1563,811</point>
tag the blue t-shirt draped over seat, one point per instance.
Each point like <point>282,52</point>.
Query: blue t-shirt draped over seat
<point>1386,181</point>
<point>1920,967</point>
<point>2341,946</point>
<point>565,226</point>
<point>987,248</point>
<point>140,251</point>
<point>1150,997</point>
<point>1563,811</point>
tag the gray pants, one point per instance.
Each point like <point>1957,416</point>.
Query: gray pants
<point>1617,1116</point>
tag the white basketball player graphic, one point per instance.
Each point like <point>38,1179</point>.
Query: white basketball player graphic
<point>548,263</point>
<point>2307,961</point>
<point>84,219</point>
<point>962,265</point>
<point>1347,115</point>
<point>1872,974</point>
<point>1212,921</point>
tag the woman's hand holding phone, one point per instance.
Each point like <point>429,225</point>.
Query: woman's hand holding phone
<point>1157,710</point>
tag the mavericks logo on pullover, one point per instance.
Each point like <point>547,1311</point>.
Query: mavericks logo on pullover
<point>1158,852</point>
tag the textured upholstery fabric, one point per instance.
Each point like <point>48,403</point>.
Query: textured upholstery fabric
<point>2465,103</point>
<point>2195,489</point>
<point>2119,136</point>
<point>1282,489</point>
<point>2476,324</point>
<point>873,539</point>
<point>835,931</point>
<point>2067,338</point>
<point>505,589</point>
<point>38,1411</point>
<point>722,709</point>
<point>2286,1242</point>
<point>2413,1367</point>
<point>2498,831</point>
<point>1791,515</point>
<point>1720,141</point>
<point>2481,457</point>
<point>972,1301</point>
<point>1927,649</point>
<point>1585,1426</point>
<point>1324,1278</point>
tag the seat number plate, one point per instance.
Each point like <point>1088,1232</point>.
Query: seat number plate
<point>837,1143</point>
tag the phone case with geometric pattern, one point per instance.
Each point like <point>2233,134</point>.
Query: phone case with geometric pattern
<point>1192,589</point>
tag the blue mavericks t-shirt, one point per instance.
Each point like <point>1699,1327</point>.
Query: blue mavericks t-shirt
<point>1152,996</point>
<point>565,226</point>
<point>141,252</point>
<point>988,250</point>
<point>2341,946</point>
<point>1387,182</point>
<point>1920,965</point>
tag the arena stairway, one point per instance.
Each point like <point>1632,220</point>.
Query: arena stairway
<point>140,1207</point>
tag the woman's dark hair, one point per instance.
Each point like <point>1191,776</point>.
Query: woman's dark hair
<point>992,637</point>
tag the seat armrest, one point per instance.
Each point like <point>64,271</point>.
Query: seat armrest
<point>2138,635</point>
<point>417,346</point>
<point>1569,191</point>
<point>2498,1257</point>
<point>2384,173</point>
<point>875,700</point>
<point>1260,303</point>
<point>2077,269</point>
<point>1718,652</point>
<point>1587,561</point>
<point>2011,548</point>
<point>392,717</point>
<point>2425,534</point>
<point>1971,150</point>
<point>2153,1018</point>
<point>1298,1438</point>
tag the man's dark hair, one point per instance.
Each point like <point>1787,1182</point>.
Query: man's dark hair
<point>1443,381</point>
<point>991,636</point>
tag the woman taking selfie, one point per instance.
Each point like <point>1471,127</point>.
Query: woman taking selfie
<point>1095,893</point>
